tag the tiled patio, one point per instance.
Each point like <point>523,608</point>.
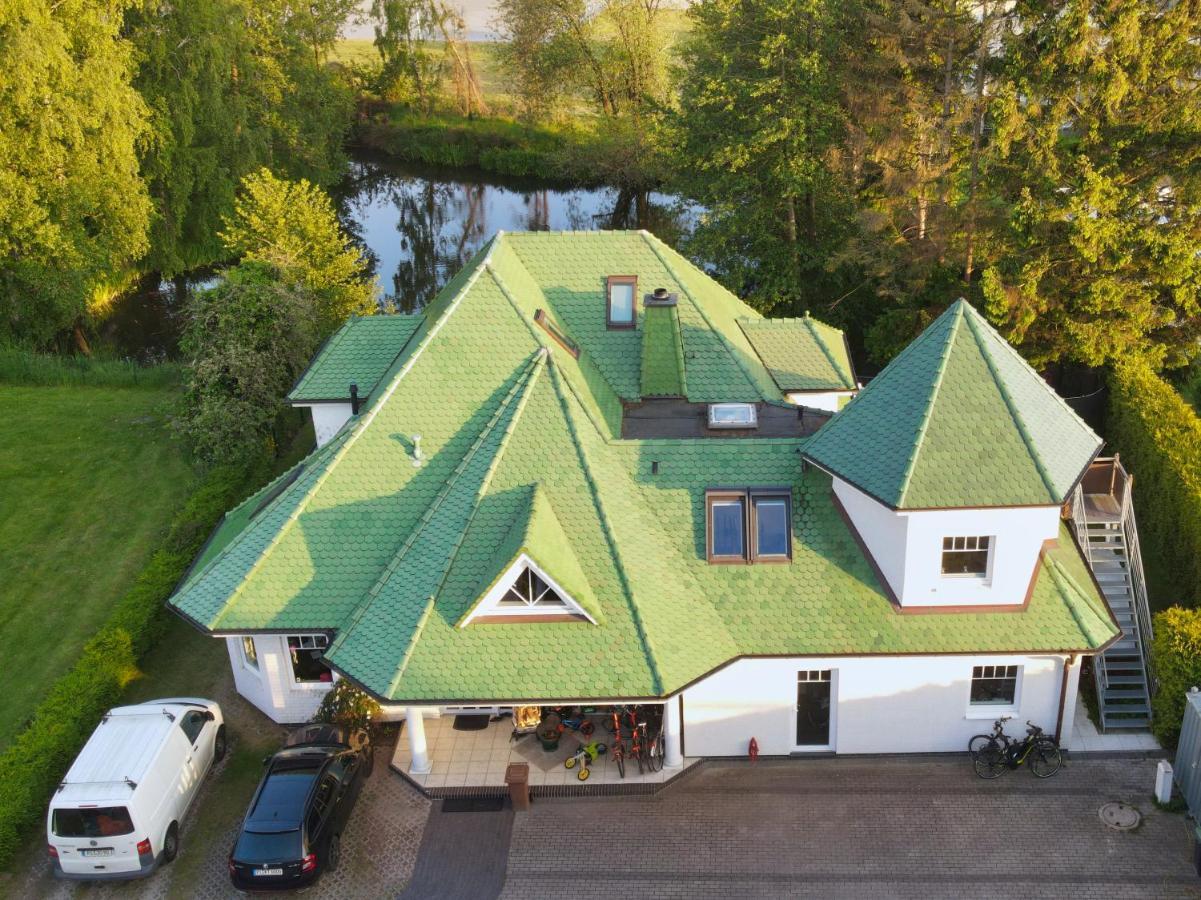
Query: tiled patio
<point>467,759</point>
<point>1086,738</point>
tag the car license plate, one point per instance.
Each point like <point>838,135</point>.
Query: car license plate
<point>268,872</point>
<point>102,851</point>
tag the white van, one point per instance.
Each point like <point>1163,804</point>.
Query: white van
<point>117,813</point>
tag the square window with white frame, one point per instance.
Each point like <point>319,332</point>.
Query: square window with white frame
<point>966,556</point>
<point>995,685</point>
<point>249,652</point>
<point>307,652</point>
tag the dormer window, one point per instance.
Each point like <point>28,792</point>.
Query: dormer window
<point>525,592</point>
<point>966,557</point>
<point>620,294</point>
<point>531,592</point>
<point>733,415</point>
<point>748,525</point>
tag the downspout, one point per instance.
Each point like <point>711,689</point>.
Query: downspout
<point>1063,695</point>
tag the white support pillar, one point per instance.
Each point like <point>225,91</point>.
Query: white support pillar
<point>673,758</point>
<point>415,726</point>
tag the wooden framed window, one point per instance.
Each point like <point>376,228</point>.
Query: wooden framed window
<point>994,685</point>
<point>249,653</point>
<point>748,525</point>
<point>621,303</point>
<point>966,556</point>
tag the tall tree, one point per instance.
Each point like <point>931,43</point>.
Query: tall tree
<point>758,125</point>
<point>1097,160</point>
<point>73,208</point>
<point>403,29</point>
<point>292,226</point>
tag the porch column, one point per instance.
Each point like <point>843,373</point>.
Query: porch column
<point>415,726</point>
<point>672,757</point>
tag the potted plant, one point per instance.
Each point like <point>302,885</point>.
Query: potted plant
<point>549,732</point>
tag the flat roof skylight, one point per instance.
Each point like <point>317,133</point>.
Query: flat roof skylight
<point>732,415</point>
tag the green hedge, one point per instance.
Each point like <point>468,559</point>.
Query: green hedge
<point>39,756</point>
<point>1159,438</point>
<point>1177,653</point>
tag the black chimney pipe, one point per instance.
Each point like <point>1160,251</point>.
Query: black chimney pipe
<point>354,400</point>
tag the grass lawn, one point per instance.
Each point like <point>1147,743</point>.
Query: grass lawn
<point>89,481</point>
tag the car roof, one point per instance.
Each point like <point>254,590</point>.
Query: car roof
<point>280,802</point>
<point>118,754</point>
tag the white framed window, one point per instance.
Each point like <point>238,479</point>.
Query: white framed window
<point>733,415</point>
<point>529,591</point>
<point>525,590</point>
<point>307,653</point>
<point>250,654</point>
<point>994,686</point>
<point>967,556</point>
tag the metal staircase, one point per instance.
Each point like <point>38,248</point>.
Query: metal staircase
<point>1108,535</point>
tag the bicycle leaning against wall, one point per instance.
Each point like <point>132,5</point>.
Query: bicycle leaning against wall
<point>997,752</point>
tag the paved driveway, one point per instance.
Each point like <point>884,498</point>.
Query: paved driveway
<point>858,828</point>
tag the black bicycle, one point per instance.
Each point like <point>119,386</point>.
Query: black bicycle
<point>978,741</point>
<point>1000,752</point>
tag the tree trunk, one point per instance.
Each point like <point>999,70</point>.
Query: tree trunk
<point>977,139</point>
<point>81,341</point>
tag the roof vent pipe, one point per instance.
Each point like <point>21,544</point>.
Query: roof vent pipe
<point>355,403</point>
<point>417,457</point>
<point>660,297</point>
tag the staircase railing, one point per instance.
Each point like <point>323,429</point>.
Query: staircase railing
<point>1134,559</point>
<point>1080,521</point>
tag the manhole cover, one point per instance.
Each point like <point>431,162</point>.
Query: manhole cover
<point>1120,816</point>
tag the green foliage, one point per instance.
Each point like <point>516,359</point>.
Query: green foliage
<point>246,341</point>
<point>21,366</point>
<point>1176,651</point>
<point>41,754</point>
<point>1095,158</point>
<point>348,705</point>
<point>1159,438</point>
<point>73,208</point>
<point>292,227</point>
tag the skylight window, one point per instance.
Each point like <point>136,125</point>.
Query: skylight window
<point>748,525</point>
<point>733,415</point>
<point>620,294</point>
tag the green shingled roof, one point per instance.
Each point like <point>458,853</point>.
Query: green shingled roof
<point>518,455</point>
<point>662,353</point>
<point>360,352</point>
<point>958,419</point>
<point>802,354</point>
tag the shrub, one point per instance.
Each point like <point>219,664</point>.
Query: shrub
<point>1159,437</point>
<point>348,705</point>
<point>1177,653</point>
<point>41,753</point>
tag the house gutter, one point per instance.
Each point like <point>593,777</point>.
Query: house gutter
<point>1063,695</point>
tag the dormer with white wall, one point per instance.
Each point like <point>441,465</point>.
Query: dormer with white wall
<point>952,467</point>
<point>343,376</point>
<point>808,360</point>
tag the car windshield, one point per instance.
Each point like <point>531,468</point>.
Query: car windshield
<point>105,821</point>
<point>280,806</point>
<point>268,847</point>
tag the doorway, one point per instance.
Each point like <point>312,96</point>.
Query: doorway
<point>813,706</point>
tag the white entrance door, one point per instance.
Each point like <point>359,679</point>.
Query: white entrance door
<point>815,710</point>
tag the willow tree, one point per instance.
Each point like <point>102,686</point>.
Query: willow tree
<point>73,207</point>
<point>1097,159</point>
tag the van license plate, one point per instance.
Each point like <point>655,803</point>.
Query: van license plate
<point>268,871</point>
<point>103,851</point>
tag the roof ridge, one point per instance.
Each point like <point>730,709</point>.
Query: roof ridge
<point>1069,588</point>
<point>372,592</point>
<point>1027,439</point>
<point>610,537</point>
<point>329,343</point>
<point>939,374</point>
<point>651,242</point>
<point>361,426</point>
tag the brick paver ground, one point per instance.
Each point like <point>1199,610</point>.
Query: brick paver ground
<point>858,828</point>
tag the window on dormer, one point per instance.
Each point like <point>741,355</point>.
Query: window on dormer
<point>966,556</point>
<point>532,592</point>
<point>620,294</point>
<point>525,590</point>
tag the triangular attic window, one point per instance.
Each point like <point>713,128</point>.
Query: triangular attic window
<point>531,591</point>
<point>525,590</point>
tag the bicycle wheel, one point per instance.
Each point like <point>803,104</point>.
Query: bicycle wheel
<point>1045,759</point>
<point>977,742</point>
<point>656,754</point>
<point>989,761</point>
<point>569,763</point>
<point>620,759</point>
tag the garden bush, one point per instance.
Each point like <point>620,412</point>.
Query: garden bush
<point>1159,438</point>
<point>40,754</point>
<point>1177,653</point>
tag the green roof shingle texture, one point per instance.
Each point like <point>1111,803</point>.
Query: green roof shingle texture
<point>802,354</point>
<point>518,456</point>
<point>958,419</point>
<point>662,353</point>
<point>360,352</point>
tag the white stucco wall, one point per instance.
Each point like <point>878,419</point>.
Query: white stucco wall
<point>828,400</point>
<point>328,419</point>
<point>272,688</point>
<point>879,704</point>
<point>907,547</point>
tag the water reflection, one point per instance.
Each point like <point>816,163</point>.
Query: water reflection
<point>417,226</point>
<point>420,226</point>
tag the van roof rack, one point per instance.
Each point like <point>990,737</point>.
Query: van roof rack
<point>129,782</point>
<point>166,712</point>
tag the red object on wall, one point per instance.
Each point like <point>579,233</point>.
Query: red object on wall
<point>753,750</point>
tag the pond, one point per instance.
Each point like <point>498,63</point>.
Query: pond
<point>417,226</point>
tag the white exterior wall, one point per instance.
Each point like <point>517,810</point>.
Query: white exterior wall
<point>328,419</point>
<point>272,688</point>
<point>828,400</point>
<point>907,547</point>
<point>885,704</point>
